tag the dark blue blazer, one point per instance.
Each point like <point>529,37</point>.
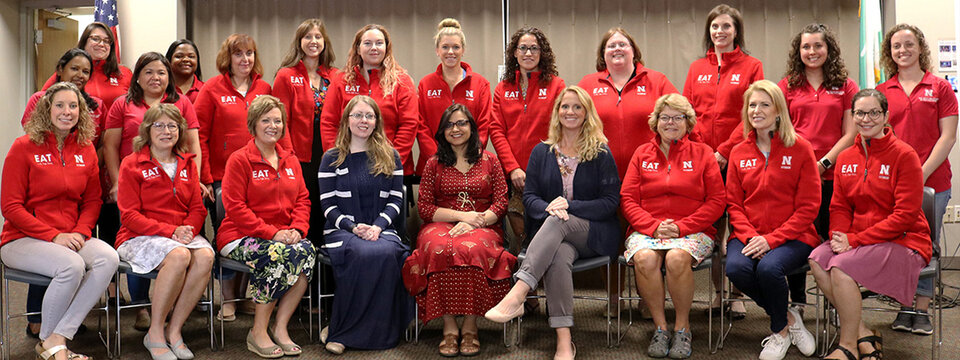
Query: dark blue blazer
<point>596,196</point>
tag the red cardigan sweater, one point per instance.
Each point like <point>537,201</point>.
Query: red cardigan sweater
<point>151,203</point>
<point>46,191</point>
<point>519,124</point>
<point>684,185</point>
<point>776,197</point>
<point>292,87</point>
<point>877,195</point>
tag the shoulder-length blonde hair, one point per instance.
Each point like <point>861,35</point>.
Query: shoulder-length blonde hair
<point>379,150</point>
<point>390,76</point>
<point>591,140</point>
<point>677,102</point>
<point>784,127</point>
<point>40,122</point>
<point>153,115</point>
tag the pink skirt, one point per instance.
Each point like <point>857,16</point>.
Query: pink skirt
<point>886,268</point>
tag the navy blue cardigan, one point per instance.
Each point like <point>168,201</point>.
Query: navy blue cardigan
<point>596,196</point>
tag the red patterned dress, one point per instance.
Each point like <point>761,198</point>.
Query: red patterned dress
<point>470,273</point>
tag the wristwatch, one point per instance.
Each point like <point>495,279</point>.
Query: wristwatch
<point>826,163</point>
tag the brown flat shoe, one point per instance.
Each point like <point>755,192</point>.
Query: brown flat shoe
<point>448,347</point>
<point>469,345</point>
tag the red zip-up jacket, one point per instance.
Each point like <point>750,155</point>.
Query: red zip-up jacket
<point>625,116</point>
<point>878,193</point>
<point>292,87</point>
<point>435,97</point>
<point>776,197</point>
<point>222,112</point>
<point>518,124</point>
<point>260,200</point>
<point>194,89</point>
<point>127,116</point>
<point>151,203</point>
<point>96,115</point>
<point>107,88</point>
<point>46,191</point>
<point>684,185</point>
<point>399,110</point>
<point>716,92</point>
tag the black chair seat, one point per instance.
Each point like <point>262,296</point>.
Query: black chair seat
<point>25,277</point>
<point>578,265</point>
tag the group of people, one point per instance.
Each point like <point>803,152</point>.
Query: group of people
<point>810,170</point>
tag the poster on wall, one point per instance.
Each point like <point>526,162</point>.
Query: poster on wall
<point>947,50</point>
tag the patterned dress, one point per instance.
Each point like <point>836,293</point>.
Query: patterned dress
<point>466,274</point>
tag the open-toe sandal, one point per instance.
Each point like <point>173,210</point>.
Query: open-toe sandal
<point>470,344</point>
<point>448,346</point>
<point>875,340</point>
<point>843,350</point>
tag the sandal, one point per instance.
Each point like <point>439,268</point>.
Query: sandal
<point>469,345</point>
<point>875,340</point>
<point>45,354</point>
<point>269,352</point>
<point>289,349</point>
<point>843,350</point>
<point>448,346</point>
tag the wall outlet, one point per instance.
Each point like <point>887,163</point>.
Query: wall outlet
<point>956,213</point>
<point>948,215</point>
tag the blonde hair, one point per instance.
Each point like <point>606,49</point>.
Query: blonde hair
<point>260,106</point>
<point>379,150</point>
<point>449,27</point>
<point>40,122</point>
<point>591,140</point>
<point>677,102</point>
<point>390,76</point>
<point>784,127</point>
<point>153,115</point>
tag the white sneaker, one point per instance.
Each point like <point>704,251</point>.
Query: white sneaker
<point>799,335</point>
<point>774,347</point>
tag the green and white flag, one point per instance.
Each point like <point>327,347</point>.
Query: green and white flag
<point>871,36</point>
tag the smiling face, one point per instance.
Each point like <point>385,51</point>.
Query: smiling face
<point>572,113</point>
<point>671,124</point>
<point>762,111</point>
<point>77,71</point>
<point>723,32</point>
<point>904,48</point>
<point>450,51</point>
<point>457,130</point>
<point>98,44</point>
<point>312,43</point>
<point>528,53</point>
<point>241,62</point>
<point>617,51</point>
<point>372,48</point>
<point>813,50</point>
<point>64,111</point>
<point>164,134</point>
<point>362,121</point>
<point>184,60</point>
<point>269,127</point>
<point>153,79</point>
<point>869,117</point>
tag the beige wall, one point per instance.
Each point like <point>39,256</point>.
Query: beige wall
<point>146,28</point>
<point>12,57</point>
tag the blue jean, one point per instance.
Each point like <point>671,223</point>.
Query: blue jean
<point>941,199</point>
<point>764,280</point>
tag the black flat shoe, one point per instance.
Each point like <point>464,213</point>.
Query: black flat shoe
<point>31,334</point>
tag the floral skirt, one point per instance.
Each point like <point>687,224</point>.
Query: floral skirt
<point>276,266</point>
<point>699,245</point>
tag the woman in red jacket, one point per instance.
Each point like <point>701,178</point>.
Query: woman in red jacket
<point>301,85</point>
<point>773,193</point>
<point>453,82</point>
<point>109,80</point>
<point>50,199</point>
<point>162,214</point>
<point>184,58</point>
<point>522,103</point>
<point>625,92</point>
<point>371,70</point>
<point>923,113</point>
<point>671,196</point>
<point>267,215</point>
<point>875,214</point>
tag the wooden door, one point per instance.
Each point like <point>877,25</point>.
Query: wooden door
<point>55,34</point>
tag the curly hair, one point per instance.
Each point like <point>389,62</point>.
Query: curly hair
<point>390,76</point>
<point>547,65</point>
<point>445,154</point>
<point>591,140</point>
<point>886,58</point>
<point>834,71</point>
<point>40,123</point>
<point>295,54</point>
<point>637,56</point>
<point>153,115</point>
<point>379,150</point>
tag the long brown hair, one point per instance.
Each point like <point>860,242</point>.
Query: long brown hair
<point>111,66</point>
<point>390,76</point>
<point>135,92</point>
<point>40,123</point>
<point>230,45</point>
<point>724,9</point>
<point>295,54</point>
<point>547,65</point>
<point>834,70</point>
<point>379,150</point>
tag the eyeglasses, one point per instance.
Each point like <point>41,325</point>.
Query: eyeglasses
<point>532,49</point>
<point>363,116</point>
<point>459,123</point>
<point>671,119</point>
<point>100,40</point>
<point>160,127</point>
<point>614,46</point>
<point>370,44</point>
<point>874,114</point>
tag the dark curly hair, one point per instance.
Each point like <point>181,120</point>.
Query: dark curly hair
<point>834,71</point>
<point>886,58</point>
<point>547,65</point>
<point>445,154</point>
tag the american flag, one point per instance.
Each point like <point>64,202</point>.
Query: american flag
<point>105,11</point>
